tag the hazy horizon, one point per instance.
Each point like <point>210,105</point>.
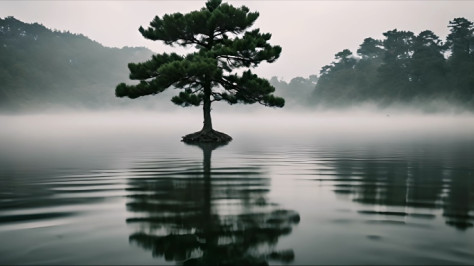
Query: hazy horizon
<point>310,32</point>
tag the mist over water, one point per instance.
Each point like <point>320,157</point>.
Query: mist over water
<point>36,135</point>
<point>387,187</point>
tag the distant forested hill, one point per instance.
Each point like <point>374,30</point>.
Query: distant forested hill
<point>297,93</point>
<point>403,68</point>
<point>42,69</point>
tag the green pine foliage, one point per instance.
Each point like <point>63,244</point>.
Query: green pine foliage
<point>224,43</point>
<point>403,68</point>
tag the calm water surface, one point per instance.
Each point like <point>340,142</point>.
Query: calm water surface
<point>106,189</point>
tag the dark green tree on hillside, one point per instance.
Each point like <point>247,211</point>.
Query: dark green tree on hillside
<point>223,41</point>
<point>394,73</point>
<point>461,63</point>
<point>370,49</point>
<point>428,68</point>
<point>461,39</point>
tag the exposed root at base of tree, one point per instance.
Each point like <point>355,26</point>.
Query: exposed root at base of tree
<point>207,136</point>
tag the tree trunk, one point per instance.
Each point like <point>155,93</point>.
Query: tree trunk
<point>207,127</point>
<point>207,133</point>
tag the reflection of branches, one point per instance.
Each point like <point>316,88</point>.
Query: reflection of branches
<point>199,216</point>
<point>232,238</point>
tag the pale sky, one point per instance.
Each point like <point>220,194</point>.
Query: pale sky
<point>310,32</point>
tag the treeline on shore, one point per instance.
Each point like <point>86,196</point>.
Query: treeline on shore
<point>42,68</point>
<point>402,69</point>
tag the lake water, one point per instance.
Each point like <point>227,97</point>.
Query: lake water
<point>298,189</point>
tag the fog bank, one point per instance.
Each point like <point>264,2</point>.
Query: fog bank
<point>267,122</point>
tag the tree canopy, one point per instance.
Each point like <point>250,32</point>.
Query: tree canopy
<point>224,42</point>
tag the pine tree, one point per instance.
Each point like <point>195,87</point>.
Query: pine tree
<point>461,62</point>
<point>220,34</point>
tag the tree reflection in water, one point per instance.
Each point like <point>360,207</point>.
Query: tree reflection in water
<point>419,182</point>
<point>196,214</point>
